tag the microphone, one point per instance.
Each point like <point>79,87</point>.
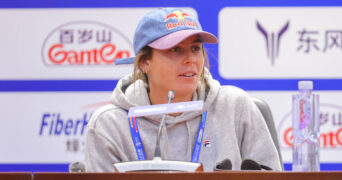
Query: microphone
<point>157,151</point>
<point>224,165</point>
<point>76,167</point>
<point>249,164</point>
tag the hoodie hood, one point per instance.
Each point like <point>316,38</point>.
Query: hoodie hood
<point>128,94</point>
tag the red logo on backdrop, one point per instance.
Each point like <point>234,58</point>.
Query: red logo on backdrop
<point>85,43</point>
<point>330,128</point>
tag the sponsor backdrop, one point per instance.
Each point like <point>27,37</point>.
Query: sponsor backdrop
<point>57,67</point>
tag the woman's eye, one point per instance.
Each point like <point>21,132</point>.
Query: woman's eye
<point>196,48</point>
<point>175,49</point>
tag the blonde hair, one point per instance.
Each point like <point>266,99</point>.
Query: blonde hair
<point>146,53</point>
<point>138,73</point>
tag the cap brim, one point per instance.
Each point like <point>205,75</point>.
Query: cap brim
<point>124,61</point>
<point>171,40</point>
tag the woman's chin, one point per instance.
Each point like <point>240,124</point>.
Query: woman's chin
<point>185,91</point>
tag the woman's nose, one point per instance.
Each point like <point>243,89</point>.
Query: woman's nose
<point>189,57</point>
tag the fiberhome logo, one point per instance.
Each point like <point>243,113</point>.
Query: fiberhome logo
<point>68,128</point>
<point>85,43</point>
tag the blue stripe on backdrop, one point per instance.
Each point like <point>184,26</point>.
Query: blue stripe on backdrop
<point>56,85</point>
<point>65,167</point>
<point>108,85</point>
<point>153,3</point>
<point>323,166</point>
<point>62,167</point>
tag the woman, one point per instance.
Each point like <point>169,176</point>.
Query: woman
<point>170,56</point>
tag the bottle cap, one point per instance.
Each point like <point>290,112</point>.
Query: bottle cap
<point>308,85</point>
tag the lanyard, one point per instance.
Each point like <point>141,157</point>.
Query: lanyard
<point>139,148</point>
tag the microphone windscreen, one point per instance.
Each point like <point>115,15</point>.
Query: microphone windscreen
<point>249,164</point>
<point>265,167</point>
<point>171,95</point>
<point>76,167</point>
<point>226,164</point>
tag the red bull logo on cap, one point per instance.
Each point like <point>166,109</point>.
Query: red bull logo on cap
<point>184,19</point>
<point>177,15</point>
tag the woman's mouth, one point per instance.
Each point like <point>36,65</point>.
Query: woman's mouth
<point>189,74</point>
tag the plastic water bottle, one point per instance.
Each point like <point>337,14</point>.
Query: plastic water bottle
<point>305,124</point>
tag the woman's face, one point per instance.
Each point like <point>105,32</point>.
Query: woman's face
<point>178,68</point>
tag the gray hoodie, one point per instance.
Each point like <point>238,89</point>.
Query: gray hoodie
<point>234,129</point>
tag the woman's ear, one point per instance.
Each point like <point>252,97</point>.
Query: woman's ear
<point>144,65</point>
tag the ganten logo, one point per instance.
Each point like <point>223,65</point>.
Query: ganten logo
<point>85,43</point>
<point>330,128</point>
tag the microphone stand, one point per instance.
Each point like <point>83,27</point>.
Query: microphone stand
<point>157,151</point>
<point>157,164</point>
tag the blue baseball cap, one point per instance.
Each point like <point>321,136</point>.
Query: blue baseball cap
<point>165,28</point>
